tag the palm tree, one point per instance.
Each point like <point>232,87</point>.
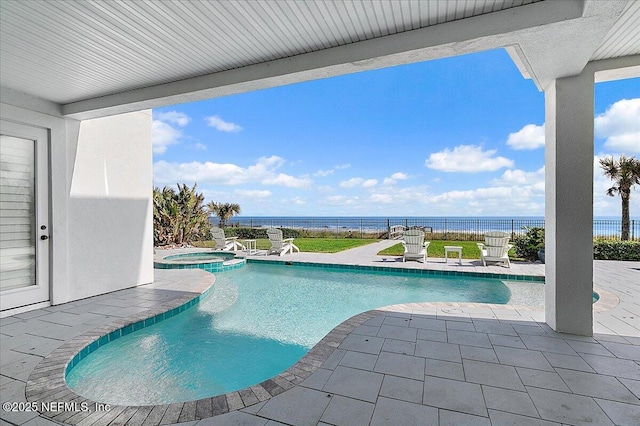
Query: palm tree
<point>224,211</point>
<point>625,173</point>
<point>179,216</point>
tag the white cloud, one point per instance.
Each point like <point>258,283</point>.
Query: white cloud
<point>529,137</point>
<point>620,125</point>
<point>467,158</point>
<point>298,201</point>
<point>200,146</point>
<point>394,178</point>
<point>287,180</point>
<point>163,135</point>
<point>252,193</point>
<point>224,126</point>
<point>351,182</point>
<point>264,172</point>
<point>179,118</point>
<point>323,173</point>
<point>520,177</point>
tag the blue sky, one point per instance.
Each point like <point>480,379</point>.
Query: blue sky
<point>459,136</point>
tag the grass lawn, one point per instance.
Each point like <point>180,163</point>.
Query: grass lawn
<point>315,245</point>
<point>436,249</point>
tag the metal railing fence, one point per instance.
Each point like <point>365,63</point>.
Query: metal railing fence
<point>459,229</point>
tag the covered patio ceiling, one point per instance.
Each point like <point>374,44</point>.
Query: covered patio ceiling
<point>97,58</point>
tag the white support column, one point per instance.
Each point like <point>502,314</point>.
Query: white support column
<point>569,204</point>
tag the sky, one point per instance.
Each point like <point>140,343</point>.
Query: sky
<point>460,136</point>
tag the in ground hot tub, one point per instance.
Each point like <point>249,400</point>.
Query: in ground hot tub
<point>215,261</point>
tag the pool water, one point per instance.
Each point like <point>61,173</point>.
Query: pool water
<point>256,323</point>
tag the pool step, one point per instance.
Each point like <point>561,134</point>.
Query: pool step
<point>232,262</point>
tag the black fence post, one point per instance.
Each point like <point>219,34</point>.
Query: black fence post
<point>445,230</point>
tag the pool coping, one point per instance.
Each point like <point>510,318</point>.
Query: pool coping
<point>46,383</point>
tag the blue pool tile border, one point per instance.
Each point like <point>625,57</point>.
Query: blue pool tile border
<point>130,328</point>
<point>401,271</point>
<point>206,266</point>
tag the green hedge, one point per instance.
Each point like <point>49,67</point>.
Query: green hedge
<point>258,233</point>
<point>616,250</point>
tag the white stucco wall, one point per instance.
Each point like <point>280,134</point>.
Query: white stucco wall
<point>101,182</point>
<point>110,205</point>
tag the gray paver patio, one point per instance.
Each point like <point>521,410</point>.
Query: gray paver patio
<point>422,363</point>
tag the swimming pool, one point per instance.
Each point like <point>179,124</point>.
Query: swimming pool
<point>256,322</point>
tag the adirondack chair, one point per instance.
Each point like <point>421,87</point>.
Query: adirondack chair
<point>415,248</point>
<point>495,248</point>
<point>222,242</point>
<point>280,245</point>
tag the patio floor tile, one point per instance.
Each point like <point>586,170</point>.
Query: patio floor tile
<point>632,385</point>
<point>421,322</point>
<point>454,395</point>
<point>500,418</point>
<point>547,344</point>
<point>391,412</point>
<point>359,360</point>
<point>445,369</point>
<point>597,385</point>
<point>623,351</point>
<point>354,383</point>
<point>613,367</point>
<point>399,346</point>
<point>453,418</point>
<point>589,348</point>
<point>433,335</point>
<point>478,354</point>
<point>359,343</point>
<point>502,340</point>
<point>286,407</point>
<point>486,373</point>
<point>567,408</point>
<point>522,358</point>
<point>509,400</point>
<point>348,412</point>
<point>411,367</point>
<point>469,338</point>
<point>317,379</point>
<point>620,413</point>
<point>438,350</point>
<point>403,389</point>
<point>542,379</point>
<point>398,333</point>
<point>496,328</point>
<point>569,362</point>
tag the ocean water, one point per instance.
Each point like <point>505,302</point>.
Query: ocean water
<point>602,225</point>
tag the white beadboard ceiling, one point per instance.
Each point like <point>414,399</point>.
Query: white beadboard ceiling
<point>72,51</point>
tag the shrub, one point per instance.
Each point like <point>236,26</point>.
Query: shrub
<point>257,233</point>
<point>527,245</point>
<point>616,250</point>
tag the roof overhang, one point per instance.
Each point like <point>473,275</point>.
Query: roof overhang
<point>126,67</point>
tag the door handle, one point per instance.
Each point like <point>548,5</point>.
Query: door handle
<point>44,237</point>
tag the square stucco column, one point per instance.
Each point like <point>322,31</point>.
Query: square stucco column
<point>569,204</point>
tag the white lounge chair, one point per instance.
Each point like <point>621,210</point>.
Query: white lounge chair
<point>495,248</point>
<point>415,248</point>
<point>222,242</point>
<point>280,245</point>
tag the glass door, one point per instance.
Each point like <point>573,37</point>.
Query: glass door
<point>24,215</point>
